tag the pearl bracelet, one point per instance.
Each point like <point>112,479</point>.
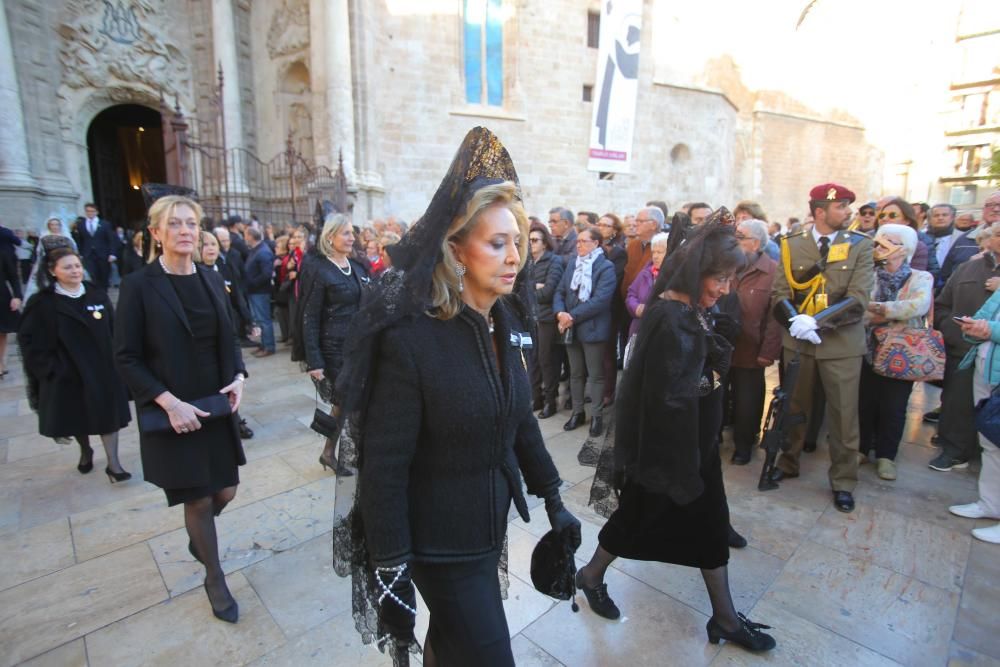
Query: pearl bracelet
<point>398,570</point>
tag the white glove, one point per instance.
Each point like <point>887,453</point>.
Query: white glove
<point>801,325</point>
<point>812,337</point>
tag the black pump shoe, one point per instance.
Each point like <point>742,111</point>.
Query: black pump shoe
<point>749,634</point>
<point>230,614</point>
<point>736,541</point>
<point>113,477</point>
<point>599,600</point>
<point>596,426</point>
<point>575,421</point>
<point>86,463</point>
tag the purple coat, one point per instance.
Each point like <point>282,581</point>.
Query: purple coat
<point>638,294</point>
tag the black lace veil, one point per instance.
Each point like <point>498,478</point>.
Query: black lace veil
<point>404,291</point>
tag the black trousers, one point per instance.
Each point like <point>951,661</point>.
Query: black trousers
<point>467,623</point>
<point>747,389</point>
<point>882,405</point>
<point>544,364</point>
<point>957,428</point>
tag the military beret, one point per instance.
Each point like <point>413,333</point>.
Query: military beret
<point>831,192</point>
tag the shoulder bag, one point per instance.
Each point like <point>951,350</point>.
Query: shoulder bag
<point>915,354</point>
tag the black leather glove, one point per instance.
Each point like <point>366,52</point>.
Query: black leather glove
<point>397,620</point>
<point>726,326</point>
<point>562,521</point>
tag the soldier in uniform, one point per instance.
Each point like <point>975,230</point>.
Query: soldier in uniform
<point>820,294</point>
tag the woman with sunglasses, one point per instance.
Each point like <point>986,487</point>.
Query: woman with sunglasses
<point>901,297</point>
<point>897,211</point>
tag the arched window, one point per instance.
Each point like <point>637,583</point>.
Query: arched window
<point>483,51</point>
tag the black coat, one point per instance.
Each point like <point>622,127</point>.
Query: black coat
<point>240,309</point>
<point>150,350</point>
<point>98,246</point>
<point>546,271</point>
<point>72,380</point>
<point>328,301</point>
<point>130,261</point>
<point>448,434</point>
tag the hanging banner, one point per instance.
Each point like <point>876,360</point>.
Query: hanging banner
<point>617,86</point>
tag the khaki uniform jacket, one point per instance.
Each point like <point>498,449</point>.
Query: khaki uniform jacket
<point>852,277</point>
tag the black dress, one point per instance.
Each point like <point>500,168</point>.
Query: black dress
<point>673,506</point>
<point>214,435</point>
<point>10,288</point>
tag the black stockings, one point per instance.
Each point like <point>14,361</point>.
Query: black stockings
<point>592,573</point>
<point>110,442</point>
<point>723,611</point>
<point>199,519</point>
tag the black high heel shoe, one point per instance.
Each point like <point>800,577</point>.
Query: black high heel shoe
<point>86,463</point>
<point>749,634</point>
<point>230,614</point>
<point>113,477</point>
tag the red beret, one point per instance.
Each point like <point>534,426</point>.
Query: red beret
<point>831,192</point>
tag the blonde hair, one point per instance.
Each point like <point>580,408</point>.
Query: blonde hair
<point>446,300</point>
<point>331,226</point>
<point>160,212</point>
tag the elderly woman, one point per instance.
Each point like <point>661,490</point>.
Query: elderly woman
<point>447,426</point>
<point>330,297</point>
<point>638,291</point>
<point>65,338</point>
<point>901,297</point>
<point>546,272</point>
<point>54,234</point>
<point>177,351</point>
<point>583,316</point>
<point>983,329</point>
<point>672,504</point>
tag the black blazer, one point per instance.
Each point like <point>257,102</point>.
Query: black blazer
<point>447,435</point>
<point>150,341</point>
<point>101,244</point>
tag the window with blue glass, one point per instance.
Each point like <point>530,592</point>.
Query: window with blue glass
<point>483,51</point>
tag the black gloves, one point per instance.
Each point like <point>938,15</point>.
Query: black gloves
<point>562,521</point>
<point>397,602</point>
<point>726,326</point>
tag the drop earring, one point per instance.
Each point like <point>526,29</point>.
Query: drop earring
<point>460,272</point>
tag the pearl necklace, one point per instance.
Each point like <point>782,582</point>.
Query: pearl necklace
<point>163,265</point>
<point>81,290</point>
<point>346,272</point>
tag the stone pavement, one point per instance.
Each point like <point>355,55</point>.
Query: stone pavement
<point>99,574</point>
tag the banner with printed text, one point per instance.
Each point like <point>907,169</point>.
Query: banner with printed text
<point>616,87</point>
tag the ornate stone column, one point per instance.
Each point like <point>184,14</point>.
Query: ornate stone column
<point>333,94</point>
<point>224,47</point>
<point>15,168</point>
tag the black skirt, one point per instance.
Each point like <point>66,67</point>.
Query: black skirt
<point>651,526</point>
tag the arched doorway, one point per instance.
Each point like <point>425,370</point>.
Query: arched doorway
<point>125,145</point>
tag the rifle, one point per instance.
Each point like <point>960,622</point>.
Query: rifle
<point>778,423</point>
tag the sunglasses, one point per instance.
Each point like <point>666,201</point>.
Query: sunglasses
<point>892,216</point>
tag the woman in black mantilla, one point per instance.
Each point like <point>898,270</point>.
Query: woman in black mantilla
<point>65,339</point>
<point>438,361</point>
<point>672,505</point>
<point>174,345</point>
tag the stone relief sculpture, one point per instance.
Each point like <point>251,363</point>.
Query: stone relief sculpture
<point>300,125</point>
<point>107,43</point>
<point>289,31</point>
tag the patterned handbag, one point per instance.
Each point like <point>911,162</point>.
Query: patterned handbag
<point>909,353</point>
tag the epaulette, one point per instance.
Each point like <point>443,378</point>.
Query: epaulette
<point>854,236</point>
<point>792,235</point>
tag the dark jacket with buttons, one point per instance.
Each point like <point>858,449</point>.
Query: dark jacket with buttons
<point>448,434</point>
<point>547,271</point>
<point>591,318</point>
<point>329,301</point>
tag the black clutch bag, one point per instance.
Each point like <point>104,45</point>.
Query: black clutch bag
<point>154,419</point>
<point>323,422</point>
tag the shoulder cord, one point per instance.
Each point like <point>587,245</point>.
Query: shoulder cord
<point>811,286</point>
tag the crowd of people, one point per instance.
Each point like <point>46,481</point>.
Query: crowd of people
<point>439,348</point>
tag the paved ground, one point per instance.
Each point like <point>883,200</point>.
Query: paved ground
<point>99,574</point>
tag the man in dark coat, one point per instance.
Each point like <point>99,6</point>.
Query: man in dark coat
<point>98,245</point>
<point>257,278</point>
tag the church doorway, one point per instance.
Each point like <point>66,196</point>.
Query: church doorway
<point>125,145</point>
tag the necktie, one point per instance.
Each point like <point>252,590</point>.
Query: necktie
<point>824,246</point>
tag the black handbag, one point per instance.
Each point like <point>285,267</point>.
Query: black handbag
<point>154,419</point>
<point>988,417</point>
<point>323,422</point>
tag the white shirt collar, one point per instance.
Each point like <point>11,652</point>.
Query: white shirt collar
<point>817,236</point>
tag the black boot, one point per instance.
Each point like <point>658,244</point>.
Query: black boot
<point>596,426</point>
<point>575,421</point>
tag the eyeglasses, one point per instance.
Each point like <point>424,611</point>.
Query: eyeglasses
<point>867,213</point>
<point>993,205</point>
<point>644,220</point>
<point>606,225</point>
<point>741,237</point>
<point>892,216</point>
<point>534,239</point>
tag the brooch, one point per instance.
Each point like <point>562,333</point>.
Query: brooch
<point>95,310</point>
<point>522,341</point>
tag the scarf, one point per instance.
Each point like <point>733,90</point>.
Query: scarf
<point>887,285</point>
<point>582,282</point>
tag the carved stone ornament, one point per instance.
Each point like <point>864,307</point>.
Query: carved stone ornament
<point>112,42</point>
<point>289,31</point>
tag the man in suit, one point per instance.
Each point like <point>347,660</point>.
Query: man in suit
<point>258,271</point>
<point>950,245</point>
<point>98,245</point>
<point>563,235</point>
<point>820,294</point>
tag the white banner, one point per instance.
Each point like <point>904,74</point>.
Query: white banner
<point>617,86</point>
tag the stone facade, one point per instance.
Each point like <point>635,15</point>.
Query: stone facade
<point>382,83</point>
